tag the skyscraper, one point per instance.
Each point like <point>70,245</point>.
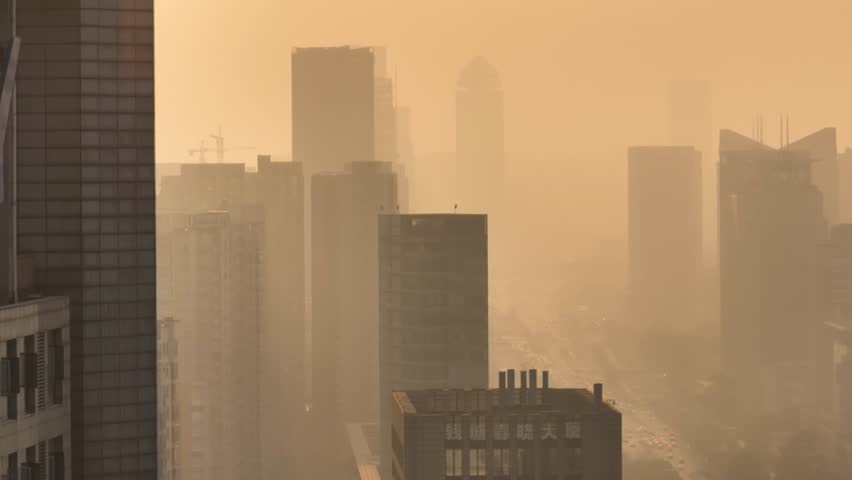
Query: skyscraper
<point>844,191</point>
<point>433,319</point>
<point>345,342</point>
<point>85,183</point>
<point>275,193</point>
<point>839,276</point>
<point>690,124</point>
<point>664,230</point>
<point>333,107</point>
<point>479,139</point>
<point>214,261</point>
<point>821,147</point>
<point>771,226</point>
<point>9,55</point>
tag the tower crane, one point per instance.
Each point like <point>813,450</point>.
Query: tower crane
<point>220,149</point>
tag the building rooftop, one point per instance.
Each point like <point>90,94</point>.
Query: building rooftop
<point>527,397</point>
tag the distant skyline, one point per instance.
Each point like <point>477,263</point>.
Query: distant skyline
<point>638,47</point>
<point>581,82</point>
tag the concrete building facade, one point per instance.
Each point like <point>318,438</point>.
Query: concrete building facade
<point>531,432</point>
<point>35,385</point>
<point>345,326</point>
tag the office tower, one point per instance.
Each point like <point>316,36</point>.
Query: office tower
<point>280,192</point>
<point>167,402</point>
<point>839,327</point>
<point>406,168</point>
<point>204,186</point>
<point>506,432</point>
<point>384,110</point>
<point>85,189</point>
<point>333,107</point>
<point>9,54</point>
<point>479,139</point>
<point>214,261</point>
<point>345,294</point>
<point>664,230</point>
<point>844,184</point>
<point>821,147</point>
<point>433,297</point>
<point>771,226</point>
<point>690,124</point>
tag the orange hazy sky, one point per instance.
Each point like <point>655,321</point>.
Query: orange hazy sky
<point>582,79</point>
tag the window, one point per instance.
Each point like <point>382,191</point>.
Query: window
<point>573,459</point>
<point>477,428</point>
<point>501,463</point>
<point>453,428</point>
<point>29,374</point>
<point>56,460</point>
<point>56,365</point>
<point>454,462</point>
<point>524,462</point>
<point>477,462</point>
<point>10,372</point>
<point>12,466</point>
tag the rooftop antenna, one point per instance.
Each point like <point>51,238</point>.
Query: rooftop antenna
<point>455,207</point>
<point>781,131</point>
<point>788,129</point>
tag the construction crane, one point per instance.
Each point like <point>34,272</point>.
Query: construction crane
<point>220,149</point>
<point>220,145</point>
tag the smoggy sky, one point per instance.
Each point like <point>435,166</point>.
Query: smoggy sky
<point>582,79</point>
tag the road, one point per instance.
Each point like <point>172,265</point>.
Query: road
<point>643,433</point>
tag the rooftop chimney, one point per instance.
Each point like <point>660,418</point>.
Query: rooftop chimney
<point>502,380</point>
<point>523,379</point>
<point>599,394</point>
<point>533,378</point>
<point>545,379</point>
<point>511,378</point>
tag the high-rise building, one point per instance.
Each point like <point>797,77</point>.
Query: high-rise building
<point>275,192</point>
<point>406,167</point>
<point>433,319</point>
<point>280,192</point>
<point>214,260</point>
<point>821,147</point>
<point>9,55</point>
<point>771,228</point>
<point>85,215</point>
<point>507,432</point>
<point>333,107</point>
<point>345,342</point>
<point>690,124</point>
<point>664,230</point>
<point>839,286</point>
<point>844,184</point>
<point>167,403</point>
<point>479,139</point>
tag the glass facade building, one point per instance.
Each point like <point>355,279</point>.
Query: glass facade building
<point>85,179</point>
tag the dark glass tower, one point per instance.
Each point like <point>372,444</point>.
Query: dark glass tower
<point>85,180</point>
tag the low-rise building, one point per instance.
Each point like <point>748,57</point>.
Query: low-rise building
<point>35,412</point>
<point>532,432</point>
